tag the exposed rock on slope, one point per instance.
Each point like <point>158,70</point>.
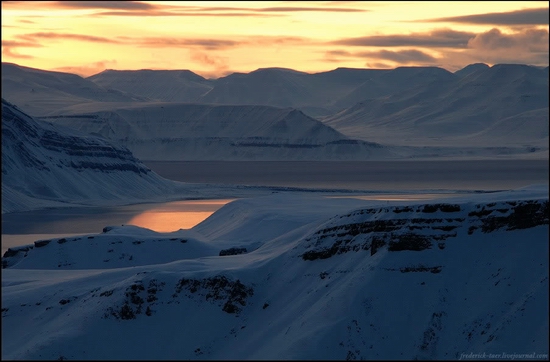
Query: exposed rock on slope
<point>42,161</point>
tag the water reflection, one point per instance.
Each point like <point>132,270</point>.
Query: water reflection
<point>24,228</point>
<point>172,216</point>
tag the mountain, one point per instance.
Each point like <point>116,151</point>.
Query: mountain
<point>472,68</point>
<point>393,82</point>
<point>279,87</point>
<point>307,277</point>
<point>40,92</point>
<point>412,111</point>
<point>45,164</point>
<point>160,85</point>
<point>447,113</point>
<point>175,131</point>
<point>316,94</point>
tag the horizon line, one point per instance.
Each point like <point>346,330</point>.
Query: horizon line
<point>59,70</point>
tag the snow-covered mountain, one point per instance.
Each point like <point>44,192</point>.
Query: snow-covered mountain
<point>478,111</point>
<point>43,163</point>
<point>390,82</point>
<point>40,92</point>
<point>314,94</point>
<point>292,277</point>
<point>175,131</point>
<point>160,85</point>
<point>481,108</point>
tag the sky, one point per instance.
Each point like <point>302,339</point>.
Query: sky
<point>216,38</point>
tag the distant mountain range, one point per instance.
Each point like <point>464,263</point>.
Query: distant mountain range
<point>491,106</point>
<point>367,113</point>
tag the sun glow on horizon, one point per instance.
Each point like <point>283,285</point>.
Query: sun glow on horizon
<point>217,38</point>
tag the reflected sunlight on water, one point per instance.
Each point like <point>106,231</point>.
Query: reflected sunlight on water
<point>172,216</point>
<point>163,221</point>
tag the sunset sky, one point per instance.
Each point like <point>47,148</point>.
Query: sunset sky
<point>216,38</point>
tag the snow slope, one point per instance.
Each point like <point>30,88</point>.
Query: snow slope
<point>177,131</point>
<point>42,162</point>
<point>40,92</point>
<point>477,109</point>
<point>160,85</point>
<point>314,93</point>
<point>320,279</point>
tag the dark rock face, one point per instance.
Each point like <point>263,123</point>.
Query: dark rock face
<point>371,229</point>
<point>232,251</point>
<point>136,295</point>
<point>232,294</point>
<point>25,139</point>
<point>521,215</point>
<point>142,297</point>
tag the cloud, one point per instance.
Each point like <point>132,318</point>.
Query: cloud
<point>400,56</point>
<point>520,46</point>
<point>407,56</point>
<point>54,5</point>
<point>8,52</point>
<point>174,13</point>
<point>42,38</point>
<point>123,5</point>
<point>519,17</point>
<point>524,46</point>
<point>89,69</point>
<point>219,66</point>
<point>378,65</point>
<point>445,38</point>
<point>138,8</point>
<point>535,40</point>
<point>209,44</point>
<point>276,40</point>
<point>53,35</point>
<point>20,44</point>
<point>338,53</point>
<point>295,8</point>
<point>9,48</point>
<point>26,21</point>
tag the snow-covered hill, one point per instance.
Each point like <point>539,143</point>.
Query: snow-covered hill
<point>44,163</point>
<point>315,94</point>
<point>312,278</point>
<point>480,108</point>
<point>39,92</point>
<point>412,111</point>
<point>176,131</point>
<point>161,85</point>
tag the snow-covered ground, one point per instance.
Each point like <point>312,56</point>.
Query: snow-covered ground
<point>290,276</point>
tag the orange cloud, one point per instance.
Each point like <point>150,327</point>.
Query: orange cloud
<point>8,52</point>
<point>219,64</point>
<point>89,69</point>
<point>52,35</point>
